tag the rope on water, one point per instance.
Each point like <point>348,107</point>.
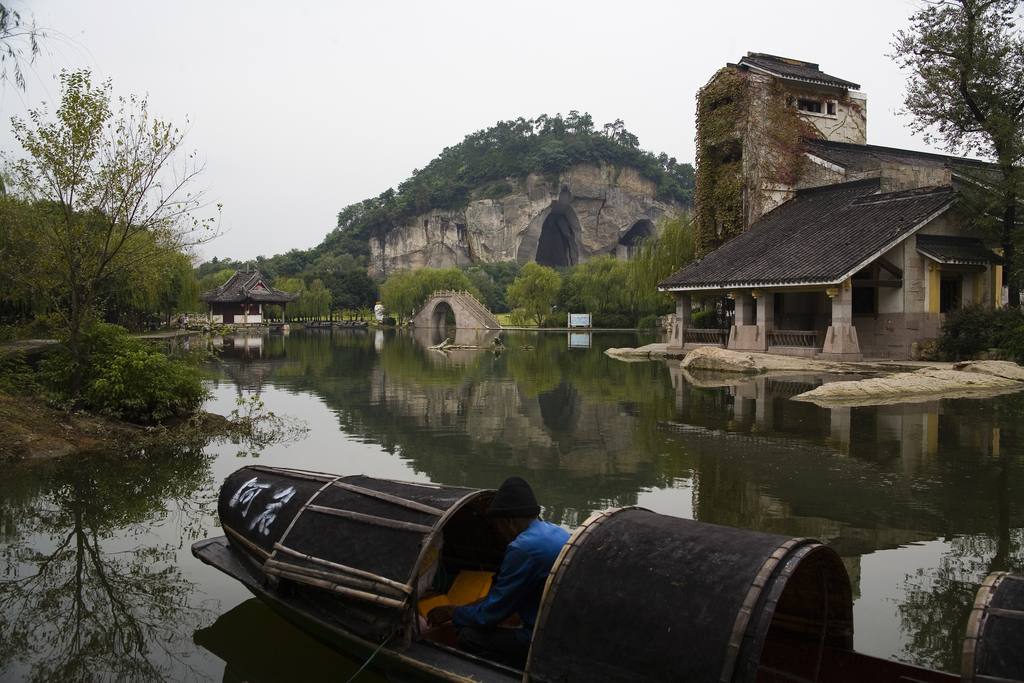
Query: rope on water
<point>369,660</point>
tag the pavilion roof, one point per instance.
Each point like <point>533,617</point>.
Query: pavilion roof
<point>247,286</point>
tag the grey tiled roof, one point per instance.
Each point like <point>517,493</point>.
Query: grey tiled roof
<point>820,237</point>
<point>969,251</point>
<point>848,155</point>
<point>794,69</point>
<point>249,286</point>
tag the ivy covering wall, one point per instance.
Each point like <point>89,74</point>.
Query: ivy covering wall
<point>721,121</point>
<point>749,142</point>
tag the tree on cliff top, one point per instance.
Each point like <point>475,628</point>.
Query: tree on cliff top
<point>966,90</point>
<point>480,165</point>
<point>108,197</point>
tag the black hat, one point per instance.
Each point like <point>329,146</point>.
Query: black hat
<point>514,499</point>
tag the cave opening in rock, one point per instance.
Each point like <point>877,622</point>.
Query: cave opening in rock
<point>559,238</point>
<point>627,243</point>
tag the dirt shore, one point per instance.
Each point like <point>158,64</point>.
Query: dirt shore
<point>31,431</point>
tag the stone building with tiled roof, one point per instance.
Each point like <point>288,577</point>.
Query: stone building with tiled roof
<point>241,299</point>
<point>859,253</point>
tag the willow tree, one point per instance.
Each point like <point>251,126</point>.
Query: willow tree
<point>110,196</point>
<point>18,36</point>
<point>966,91</point>
<point>600,284</point>
<point>655,258</point>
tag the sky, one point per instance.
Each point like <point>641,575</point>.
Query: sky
<point>303,108</point>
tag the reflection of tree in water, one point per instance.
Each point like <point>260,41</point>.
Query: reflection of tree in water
<point>88,593</point>
<point>939,600</point>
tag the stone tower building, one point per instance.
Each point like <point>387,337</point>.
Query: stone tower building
<point>752,120</point>
<point>825,246</point>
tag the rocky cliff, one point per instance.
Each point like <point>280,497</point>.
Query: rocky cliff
<point>591,210</point>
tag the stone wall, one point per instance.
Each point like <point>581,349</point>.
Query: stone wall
<point>599,206</point>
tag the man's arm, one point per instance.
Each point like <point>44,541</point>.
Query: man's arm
<point>513,581</point>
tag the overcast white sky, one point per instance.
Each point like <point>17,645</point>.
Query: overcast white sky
<point>303,108</point>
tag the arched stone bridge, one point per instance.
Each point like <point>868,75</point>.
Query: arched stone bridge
<point>469,313</point>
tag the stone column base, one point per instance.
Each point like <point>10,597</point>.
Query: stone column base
<point>675,345</point>
<point>841,344</point>
<point>747,338</point>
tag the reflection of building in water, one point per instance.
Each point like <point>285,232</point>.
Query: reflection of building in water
<point>860,479</point>
<point>241,346</point>
<point>248,360</point>
<point>761,405</point>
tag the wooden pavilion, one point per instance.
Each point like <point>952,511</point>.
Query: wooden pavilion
<point>241,299</point>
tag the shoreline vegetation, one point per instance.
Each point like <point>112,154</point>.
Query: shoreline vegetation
<point>143,404</point>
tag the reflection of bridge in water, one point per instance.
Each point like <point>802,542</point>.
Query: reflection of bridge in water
<point>463,336</point>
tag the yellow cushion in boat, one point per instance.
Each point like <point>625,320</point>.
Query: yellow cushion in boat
<point>468,587</point>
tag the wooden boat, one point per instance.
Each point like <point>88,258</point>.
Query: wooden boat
<point>634,596</point>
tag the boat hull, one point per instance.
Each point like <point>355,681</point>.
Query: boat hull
<point>423,661</point>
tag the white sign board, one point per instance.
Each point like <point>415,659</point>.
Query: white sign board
<point>579,320</point>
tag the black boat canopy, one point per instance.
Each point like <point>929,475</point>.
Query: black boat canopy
<point>360,539</point>
<point>642,597</point>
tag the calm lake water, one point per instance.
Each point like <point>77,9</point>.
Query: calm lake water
<point>921,500</point>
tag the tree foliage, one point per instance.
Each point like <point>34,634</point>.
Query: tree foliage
<point>18,42</point>
<point>493,279</point>
<point>966,91</point>
<point>654,259</point>
<point>535,290</point>
<point>108,196</point>
<point>600,284</point>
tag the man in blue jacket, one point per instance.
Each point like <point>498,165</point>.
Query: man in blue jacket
<point>533,547</point>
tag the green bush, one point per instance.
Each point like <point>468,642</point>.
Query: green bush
<point>614,320</point>
<point>707,319</point>
<point>973,329</point>
<point>559,319</point>
<point>1009,338</point>
<point>127,378</point>
<point>649,322</point>
<point>16,377</point>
